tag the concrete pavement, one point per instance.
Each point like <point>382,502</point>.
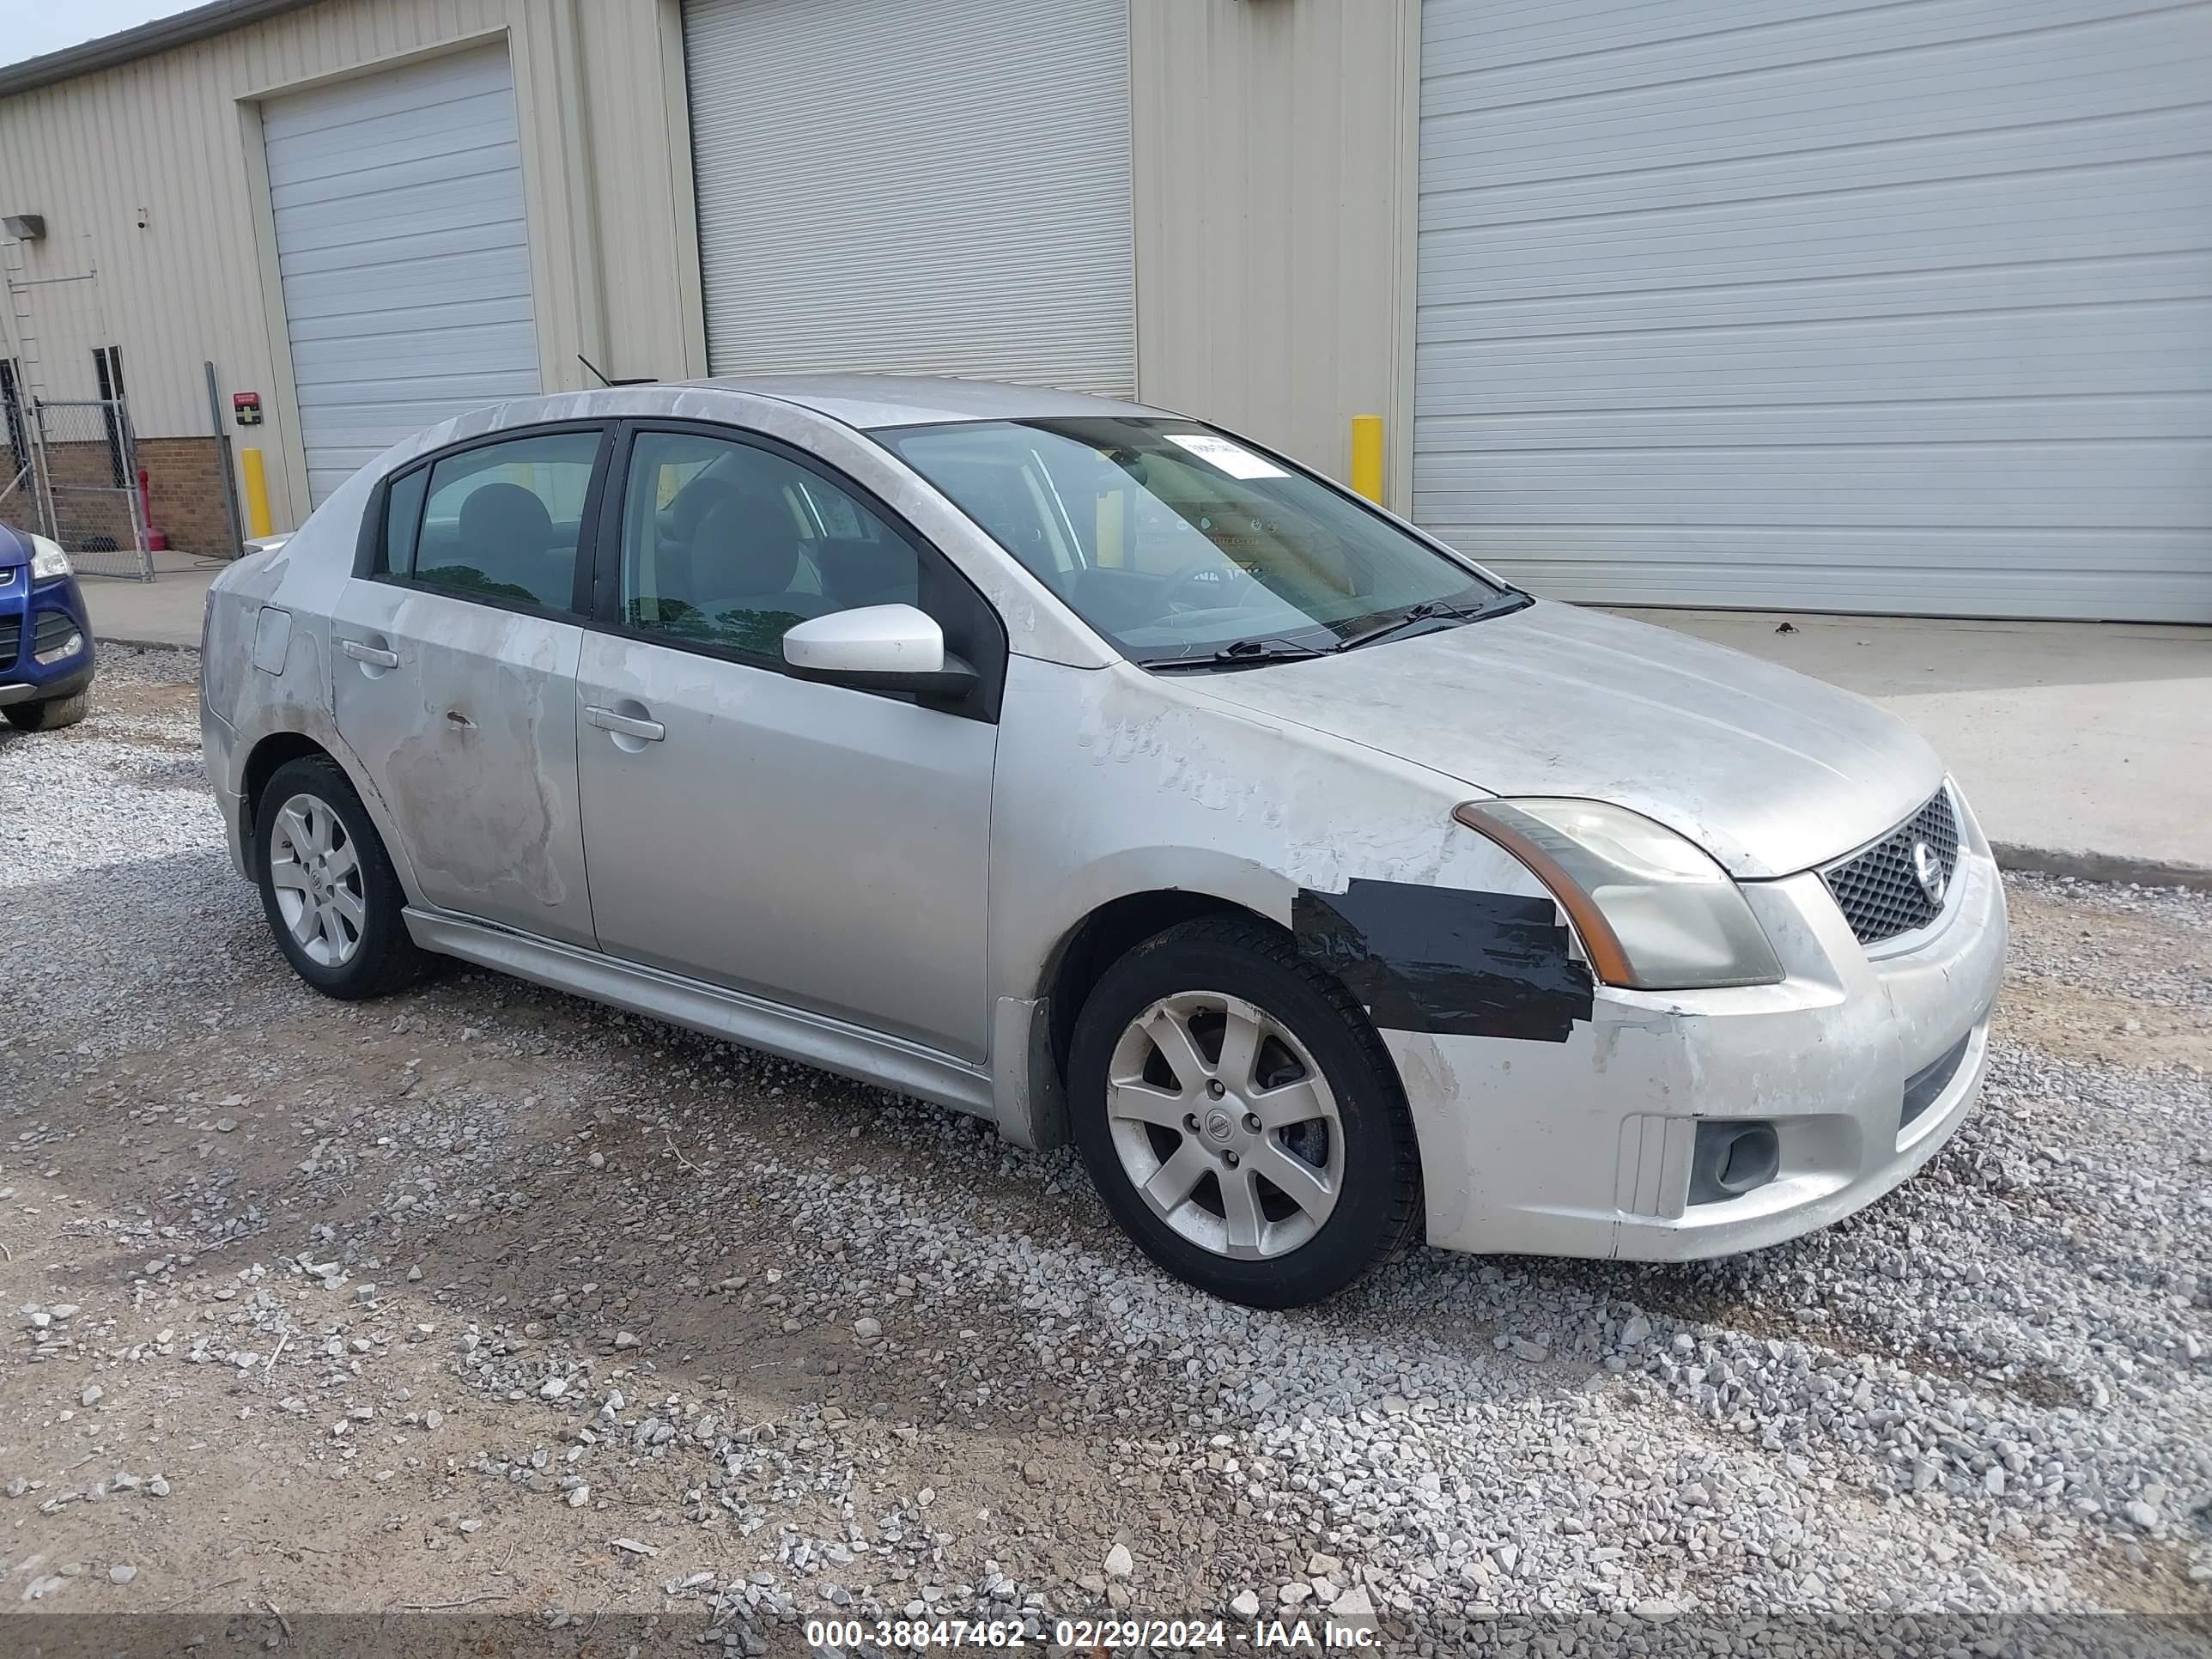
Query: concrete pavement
<point>164,611</point>
<point>2085,747</point>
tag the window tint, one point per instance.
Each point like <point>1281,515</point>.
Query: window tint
<point>501,522</point>
<point>728,545</point>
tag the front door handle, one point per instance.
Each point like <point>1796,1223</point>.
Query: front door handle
<point>374,656</point>
<point>626,725</point>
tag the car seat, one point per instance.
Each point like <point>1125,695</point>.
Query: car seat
<point>507,532</point>
<point>746,554</point>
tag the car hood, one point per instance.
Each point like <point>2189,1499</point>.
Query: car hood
<point>1769,771</point>
<point>15,548</point>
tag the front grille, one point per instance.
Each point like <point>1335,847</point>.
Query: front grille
<point>10,632</point>
<point>53,627</point>
<point>1878,890</point>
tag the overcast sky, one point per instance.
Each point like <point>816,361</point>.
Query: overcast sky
<point>31,30</point>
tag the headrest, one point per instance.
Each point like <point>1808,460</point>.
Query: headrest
<point>693,502</point>
<point>506,515</point>
<point>745,545</point>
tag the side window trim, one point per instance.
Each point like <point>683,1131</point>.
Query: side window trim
<point>369,556</point>
<point>412,486</point>
<point>605,614</point>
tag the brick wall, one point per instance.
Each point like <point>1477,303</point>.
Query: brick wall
<point>185,476</point>
<point>92,511</point>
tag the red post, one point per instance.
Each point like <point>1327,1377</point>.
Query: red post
<point>155,541</point>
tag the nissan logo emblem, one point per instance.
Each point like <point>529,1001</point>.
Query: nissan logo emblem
<point>1929,872</point>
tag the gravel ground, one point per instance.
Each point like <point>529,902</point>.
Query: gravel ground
<point>486,1297</point>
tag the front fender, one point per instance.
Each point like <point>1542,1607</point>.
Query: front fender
<point>1114,782</point>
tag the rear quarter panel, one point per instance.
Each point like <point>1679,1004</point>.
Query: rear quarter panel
<point>244,703</point>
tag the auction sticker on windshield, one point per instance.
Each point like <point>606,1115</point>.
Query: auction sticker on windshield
<point>1233,458</point>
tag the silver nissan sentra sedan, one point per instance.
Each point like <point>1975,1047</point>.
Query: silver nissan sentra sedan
<point>1097,771</point>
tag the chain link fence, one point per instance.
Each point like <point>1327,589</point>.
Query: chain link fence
<point>87,468</point>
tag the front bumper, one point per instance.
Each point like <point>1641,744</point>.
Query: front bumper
<point>41,617</point>
<point>1585,1147</point>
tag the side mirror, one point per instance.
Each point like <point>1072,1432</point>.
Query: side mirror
<point>877,648</point>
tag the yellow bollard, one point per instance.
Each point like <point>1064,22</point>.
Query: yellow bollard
<point>256,493</point>
<point>1367,456</point>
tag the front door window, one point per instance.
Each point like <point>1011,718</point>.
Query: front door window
<point>728,546</point>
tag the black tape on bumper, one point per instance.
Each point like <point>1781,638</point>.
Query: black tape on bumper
<point>1447,961</point>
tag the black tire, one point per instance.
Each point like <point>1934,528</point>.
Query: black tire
<point>384,958</point>
<point>51,714</point>
<point>1378,1211</point>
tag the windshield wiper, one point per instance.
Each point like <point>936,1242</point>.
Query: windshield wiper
<point>1245,654</point>
<point>1242,653</point>
<point>1431,610</point>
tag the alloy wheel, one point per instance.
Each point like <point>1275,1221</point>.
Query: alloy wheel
<point>315,874</point>
<point>1225,1125</point>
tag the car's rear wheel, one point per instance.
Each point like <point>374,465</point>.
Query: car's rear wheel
<point>50,713</point>
<point>328,887</point>
<point>1240,1118</point>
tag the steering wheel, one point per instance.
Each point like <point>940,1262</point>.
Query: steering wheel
<point>1210,579</point>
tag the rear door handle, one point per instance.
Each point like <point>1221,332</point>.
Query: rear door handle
<point>627,725</point>
<point>371,655</point>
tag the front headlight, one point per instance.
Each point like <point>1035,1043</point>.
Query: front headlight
<point>1654,912</point>
<point>48,560</point>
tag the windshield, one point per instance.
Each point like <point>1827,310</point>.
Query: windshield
<point>1181,544</point>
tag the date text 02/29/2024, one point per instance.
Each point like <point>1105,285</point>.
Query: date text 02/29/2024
<point>1094,1635</point>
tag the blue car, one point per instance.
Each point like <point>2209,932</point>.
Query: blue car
<point>46,637</point>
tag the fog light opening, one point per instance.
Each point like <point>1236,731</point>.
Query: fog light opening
<point>69,648</point>
<point>1732,1157</point>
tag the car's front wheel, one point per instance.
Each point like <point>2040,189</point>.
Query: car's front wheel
<point>1241,1118</point>
<point>50,713</point>
<point>328,887</point>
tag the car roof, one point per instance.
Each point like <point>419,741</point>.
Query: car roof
<point>881,400</point>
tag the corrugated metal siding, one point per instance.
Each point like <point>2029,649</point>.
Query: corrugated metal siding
<point>640,152</point>
<point>1906,308</point>
<point>936,186</point>
<point>1274,187</point>
<point>404,253</point>
<point>165,133</point>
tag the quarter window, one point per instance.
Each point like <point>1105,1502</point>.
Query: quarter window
<point>728,545</point>
<point>500,522</point>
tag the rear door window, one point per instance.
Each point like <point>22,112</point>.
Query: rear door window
<point>499,522</point>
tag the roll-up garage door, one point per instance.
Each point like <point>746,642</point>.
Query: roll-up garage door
<point>915,186</point>
<point>1899,308</point>
<point>403,252</point>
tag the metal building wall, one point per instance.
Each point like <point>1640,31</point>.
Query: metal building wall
<point>1275,148</point>
<point>606,181</point>
<point>1273,156</point>
<point>1808,304</point>
<point>871,198</point>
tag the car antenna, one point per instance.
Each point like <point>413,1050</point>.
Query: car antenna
<point>636,380</point>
